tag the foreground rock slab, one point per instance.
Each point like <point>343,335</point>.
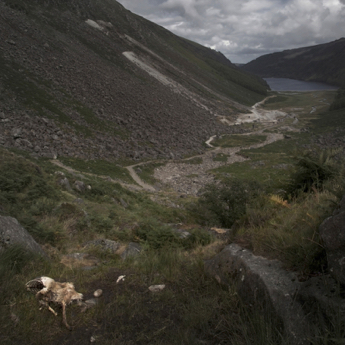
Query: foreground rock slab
<point>263,282</point>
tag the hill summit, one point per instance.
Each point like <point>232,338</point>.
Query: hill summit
<point>92,80</point>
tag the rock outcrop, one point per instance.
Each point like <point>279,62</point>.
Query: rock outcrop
<point>104,245</point>
<point>12,233</point>
<point>260,281</point>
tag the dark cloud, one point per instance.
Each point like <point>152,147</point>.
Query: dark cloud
<point>244,29</point>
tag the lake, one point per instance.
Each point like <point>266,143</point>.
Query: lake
<point>285,84</point>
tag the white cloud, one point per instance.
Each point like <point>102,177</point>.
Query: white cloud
<point>244,29</point>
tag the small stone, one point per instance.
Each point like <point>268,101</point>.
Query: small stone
<point>157,288</point>
<point>15,319</point>
<point>98,293</point>
<point>79,186</point>
<point>16,133</point>
<point>91,302</point>
<point>65,184</point>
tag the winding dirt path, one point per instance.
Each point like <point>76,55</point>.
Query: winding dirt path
<point>74,171</point>
<point>187,177</point>
<point>138,180</point>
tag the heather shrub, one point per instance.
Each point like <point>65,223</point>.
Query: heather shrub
<point>221,204</point>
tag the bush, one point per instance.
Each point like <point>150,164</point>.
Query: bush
<point>101,224</point>
<point>224,203</point>
<point>42,206</point>
<point>313,170</point>
<point>157,235</point>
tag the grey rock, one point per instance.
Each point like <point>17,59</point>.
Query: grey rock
<point>262,281</point>
<point>16,133</point>
<point>132,250</point>
<point>26,143</point>
<point>65,184</point>
<point>50,155</point>
<point>11,233</point>
<point>79,186</point>
<point>83,260</point>
<point>332,232</point>
<point>182,234</point>
<point>104,245</point>
<point>123,203</point>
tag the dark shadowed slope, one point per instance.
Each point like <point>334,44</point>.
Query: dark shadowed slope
<point>323,63</point>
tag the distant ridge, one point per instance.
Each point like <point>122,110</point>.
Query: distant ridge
<point>322,63</point>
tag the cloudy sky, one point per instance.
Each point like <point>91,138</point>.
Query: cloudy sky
<point>245,29</point>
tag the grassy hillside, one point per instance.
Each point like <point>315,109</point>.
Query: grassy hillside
<point>322,63</point>
<point>276,217</point>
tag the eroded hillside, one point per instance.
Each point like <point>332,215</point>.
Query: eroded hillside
<point>92,80</point>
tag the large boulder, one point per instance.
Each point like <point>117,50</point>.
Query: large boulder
<point>332,232</point>
<point>11,233</point>
<point>263,282</point>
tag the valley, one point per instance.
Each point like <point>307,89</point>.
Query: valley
<point>190,175</point>
<point>132,159</point>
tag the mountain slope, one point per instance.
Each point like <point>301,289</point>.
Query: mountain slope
<point>92,80</point>
<point>322,63</point>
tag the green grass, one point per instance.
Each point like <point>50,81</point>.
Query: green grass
<point>296,100</point>
<point>146,172</point>
<point>238,140</point>
<point>98,167</point>
<point>191,308</point>
<point>268,165</point>
<point>288,230</point>
<point>220,157</point>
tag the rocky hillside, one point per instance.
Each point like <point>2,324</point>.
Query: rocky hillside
<point>90,79</point>
<point>322,63</point>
